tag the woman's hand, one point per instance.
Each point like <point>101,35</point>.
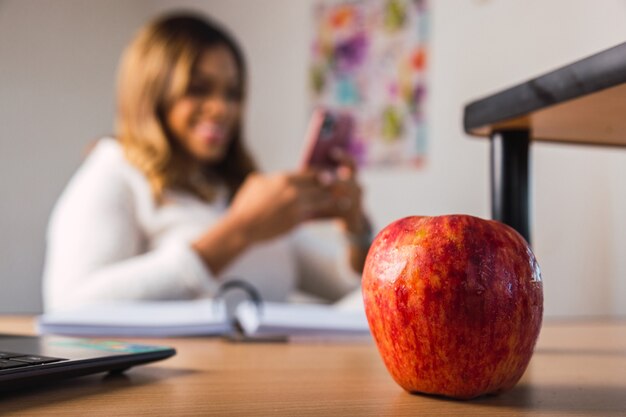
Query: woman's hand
<point>348,195</point>
<point>267,206</point>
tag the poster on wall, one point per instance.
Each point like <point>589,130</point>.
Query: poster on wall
<point>369,59</point>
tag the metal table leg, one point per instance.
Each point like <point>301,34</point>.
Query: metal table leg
<point>509,179</point>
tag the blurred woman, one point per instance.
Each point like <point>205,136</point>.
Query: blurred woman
<point>173,205</point>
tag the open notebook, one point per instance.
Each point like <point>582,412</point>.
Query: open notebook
<point>207,317</point>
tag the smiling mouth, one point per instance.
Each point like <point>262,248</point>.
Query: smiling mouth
<point>210,133</point>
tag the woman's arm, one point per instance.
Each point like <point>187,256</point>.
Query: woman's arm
<point>359,236</point>
<point>266,207</point>
<point>349,210</point>
<point>331,264</point>
<point>97,250</point>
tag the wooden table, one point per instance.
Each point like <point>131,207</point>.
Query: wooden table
<point>582,103</point>
<point>579,369</point>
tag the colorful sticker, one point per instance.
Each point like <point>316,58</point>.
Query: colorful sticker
<point>107,345</point>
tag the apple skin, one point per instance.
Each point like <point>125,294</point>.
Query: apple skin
<point>454,303</point>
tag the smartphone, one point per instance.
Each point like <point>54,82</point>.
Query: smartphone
<point>327,130</point>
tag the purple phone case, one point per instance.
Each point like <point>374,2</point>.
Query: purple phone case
<point>327,130</point>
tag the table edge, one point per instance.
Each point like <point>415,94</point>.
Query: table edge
<point>595,73</point>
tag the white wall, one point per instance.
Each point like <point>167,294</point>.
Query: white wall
<point>57,72</point>
<point>478,46</point>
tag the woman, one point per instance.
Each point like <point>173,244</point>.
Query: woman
<point>173,206</point>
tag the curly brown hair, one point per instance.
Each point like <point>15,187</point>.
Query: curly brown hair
<point>155,71</point>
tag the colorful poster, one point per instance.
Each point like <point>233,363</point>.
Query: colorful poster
<point>369,58</point>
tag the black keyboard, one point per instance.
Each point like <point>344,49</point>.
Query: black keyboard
<point>10,360</point>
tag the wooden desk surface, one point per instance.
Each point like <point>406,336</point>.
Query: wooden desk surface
<point>583,102</point>
<point>579,368</point>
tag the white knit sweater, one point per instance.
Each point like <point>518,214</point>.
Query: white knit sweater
<point>108,240</point>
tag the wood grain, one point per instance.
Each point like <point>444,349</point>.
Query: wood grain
<point>579,368</point>
<point>595,119</point>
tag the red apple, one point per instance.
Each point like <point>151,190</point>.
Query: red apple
<point>454,304</point>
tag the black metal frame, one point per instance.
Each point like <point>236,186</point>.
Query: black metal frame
<point>509,179</point>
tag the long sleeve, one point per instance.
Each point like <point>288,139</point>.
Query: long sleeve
<point>322,259</point>
<point>97,249</point>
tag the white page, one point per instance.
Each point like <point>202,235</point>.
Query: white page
<point>282,319</point>
<point>145,318</point>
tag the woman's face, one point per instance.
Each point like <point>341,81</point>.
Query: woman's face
<point>203,120</point>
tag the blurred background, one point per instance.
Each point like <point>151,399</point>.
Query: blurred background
<point>58,61</point>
